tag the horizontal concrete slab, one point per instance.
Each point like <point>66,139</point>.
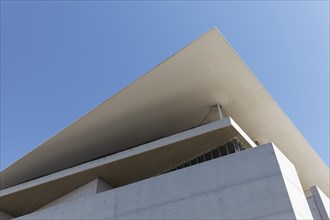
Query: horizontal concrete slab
<point>122,168</point>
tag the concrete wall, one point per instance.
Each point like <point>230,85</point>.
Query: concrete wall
<point>93,187</point>
<point>4,216</point>
<point>245,185</point>
<point>319,204</point>
<point>313,207</point>
<point>292,183</point>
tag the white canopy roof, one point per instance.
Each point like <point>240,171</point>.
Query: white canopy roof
<point>175,96</point>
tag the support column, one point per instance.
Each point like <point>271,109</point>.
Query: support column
<point>220,111</point>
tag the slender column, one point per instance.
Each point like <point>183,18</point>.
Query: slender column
<point>220,111</point>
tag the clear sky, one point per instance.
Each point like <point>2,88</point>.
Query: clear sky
<point>61,59</point>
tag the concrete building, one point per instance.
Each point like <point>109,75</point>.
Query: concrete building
<point>197,137</point>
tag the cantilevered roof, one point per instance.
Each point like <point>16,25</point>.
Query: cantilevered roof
<point>122,168</point>
<point>174,96</point>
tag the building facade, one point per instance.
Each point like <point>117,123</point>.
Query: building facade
<point>197,137</point>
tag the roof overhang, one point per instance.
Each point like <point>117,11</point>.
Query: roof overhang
<point>175,96</point>
<point>122,168</point>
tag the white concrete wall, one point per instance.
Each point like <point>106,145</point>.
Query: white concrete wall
<point>245,185</point>
<point>4,216</point>
<point>293,185</point>
<point>90,188</point>
<point>313,207</point>
<point>319,204</point>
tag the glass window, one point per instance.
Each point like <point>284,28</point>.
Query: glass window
<point>201,159</point>
<point>223,150</point>
<point>215,153</point>
<point>231,147</point>
<point>208,156</point>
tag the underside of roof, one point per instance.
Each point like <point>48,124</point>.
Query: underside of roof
<point>175,96</point>
<point>123,168</point>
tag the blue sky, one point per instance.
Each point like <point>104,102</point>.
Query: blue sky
<point>61,59</point>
